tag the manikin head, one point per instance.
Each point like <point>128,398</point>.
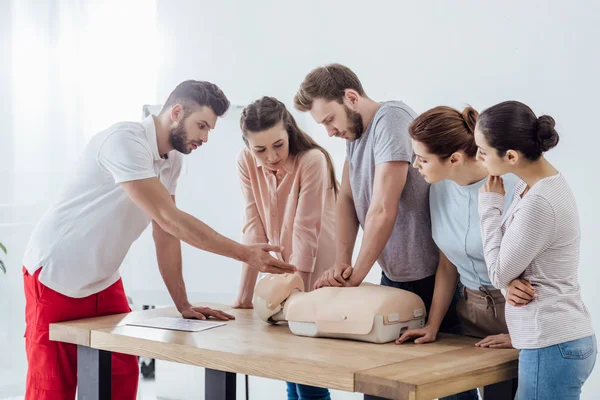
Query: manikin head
<point>272,291</point>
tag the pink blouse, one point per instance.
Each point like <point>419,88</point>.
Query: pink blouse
<point>293,208</point>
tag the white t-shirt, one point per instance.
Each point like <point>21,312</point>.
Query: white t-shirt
<point>82,239</point>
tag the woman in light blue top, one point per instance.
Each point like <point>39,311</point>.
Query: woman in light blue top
<point>455,228</point>
<point>445,151</point>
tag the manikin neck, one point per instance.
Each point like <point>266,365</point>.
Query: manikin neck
<point>280,316</point>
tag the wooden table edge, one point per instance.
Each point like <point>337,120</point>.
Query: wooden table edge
<point>209,359</point>
<point>68,333</point>
<point>368,382</point>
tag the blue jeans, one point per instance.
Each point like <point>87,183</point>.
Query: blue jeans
<point>556,372</point>
<point>297,391</point>
<point>451,323</point>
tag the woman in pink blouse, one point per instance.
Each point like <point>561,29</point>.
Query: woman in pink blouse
<point>289,188</point>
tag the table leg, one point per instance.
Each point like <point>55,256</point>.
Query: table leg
<point>93,374</point>
<point>501,391</point>
<point>219,385</point>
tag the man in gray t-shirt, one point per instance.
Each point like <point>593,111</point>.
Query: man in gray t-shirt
<point>410,253</point>
<point>379,190</point>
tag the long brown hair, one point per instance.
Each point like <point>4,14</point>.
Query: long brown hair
<point>267,112</point>
<point>445,130</point>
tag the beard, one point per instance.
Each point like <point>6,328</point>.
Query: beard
<point>178,139</point>
<point>356,123</point>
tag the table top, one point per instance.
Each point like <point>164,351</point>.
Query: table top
<point>250,346</point>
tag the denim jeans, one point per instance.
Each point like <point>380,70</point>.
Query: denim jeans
<point>556,372</point>
<point>297,391</point>
<point>450,324</point>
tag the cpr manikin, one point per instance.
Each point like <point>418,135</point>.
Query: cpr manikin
<point>370,313</point>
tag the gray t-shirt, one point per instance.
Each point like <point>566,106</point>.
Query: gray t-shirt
<point>410,254</point>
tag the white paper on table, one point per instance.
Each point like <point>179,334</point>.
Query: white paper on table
<point>177,324</point>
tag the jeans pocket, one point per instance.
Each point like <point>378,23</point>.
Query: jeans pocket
<point>578,349</point>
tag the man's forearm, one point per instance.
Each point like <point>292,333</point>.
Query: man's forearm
<point>346,230</point>
<point>379,225</point>
<point>185,227</point>
<point>168,254</point>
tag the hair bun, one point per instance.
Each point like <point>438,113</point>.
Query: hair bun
<point>546,134</point>
<point>470,115</point>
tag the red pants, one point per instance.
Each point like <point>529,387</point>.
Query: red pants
<point>52,369</point>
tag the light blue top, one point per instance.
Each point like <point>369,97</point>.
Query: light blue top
<point>455,227</point>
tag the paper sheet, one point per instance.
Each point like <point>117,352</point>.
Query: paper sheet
<point>178,324</point>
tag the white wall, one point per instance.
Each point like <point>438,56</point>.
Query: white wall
<point>544,53</point>
<point>6,109</point>
<point>16,224</point>
<point>63,75</point>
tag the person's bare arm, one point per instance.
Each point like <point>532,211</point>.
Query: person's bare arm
<point>346,221</point>
<point>346,225</point>
<point>246,290</point>
<point>446,279</point>
<point>168,255</point>
<point>154,199</point>
<point>389,181</point>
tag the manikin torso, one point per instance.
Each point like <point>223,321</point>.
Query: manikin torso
<point>370,313</point>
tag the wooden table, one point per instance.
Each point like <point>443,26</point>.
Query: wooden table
<point>250,346</point>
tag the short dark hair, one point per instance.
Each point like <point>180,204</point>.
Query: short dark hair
<point>512,125</point>
<point>191,94</point>
<point>328,82</point>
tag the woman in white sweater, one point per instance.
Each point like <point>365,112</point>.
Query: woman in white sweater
<point>538,240</point>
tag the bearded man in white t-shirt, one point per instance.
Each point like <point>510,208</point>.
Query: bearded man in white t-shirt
<point>125,179</point>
